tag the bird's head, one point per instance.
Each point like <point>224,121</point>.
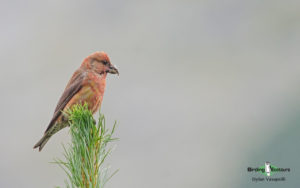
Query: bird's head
<point>100,63</point>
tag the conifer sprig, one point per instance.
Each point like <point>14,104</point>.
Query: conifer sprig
<point>84,158</point>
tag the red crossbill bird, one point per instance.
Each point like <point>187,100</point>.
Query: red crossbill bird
<point>85,86</point>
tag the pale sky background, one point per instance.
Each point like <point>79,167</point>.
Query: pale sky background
<point>206,89</point>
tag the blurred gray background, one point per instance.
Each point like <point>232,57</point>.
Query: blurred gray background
<point>206,89</point>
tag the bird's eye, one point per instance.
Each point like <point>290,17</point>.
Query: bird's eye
<point>104,62</point>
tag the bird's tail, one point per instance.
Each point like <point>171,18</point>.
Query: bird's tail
<point>42,142</point>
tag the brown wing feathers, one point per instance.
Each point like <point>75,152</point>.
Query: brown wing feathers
<point>74,85</point>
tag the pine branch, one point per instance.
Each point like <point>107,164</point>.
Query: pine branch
<point>85,157</point>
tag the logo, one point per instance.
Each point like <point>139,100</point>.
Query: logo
<point>268,170</point>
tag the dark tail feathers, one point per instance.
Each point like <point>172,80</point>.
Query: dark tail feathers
<point>42,142</point>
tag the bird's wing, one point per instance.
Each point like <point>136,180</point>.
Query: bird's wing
<point>74,85</point>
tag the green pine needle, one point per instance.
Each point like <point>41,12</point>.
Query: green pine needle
<point>84,158</point>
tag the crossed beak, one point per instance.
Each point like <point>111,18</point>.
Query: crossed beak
<point>113,70</point>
